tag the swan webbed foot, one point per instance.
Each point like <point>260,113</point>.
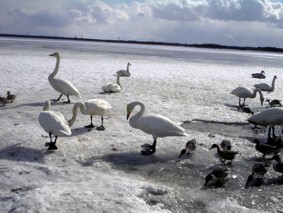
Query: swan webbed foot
<point>148,152</point>
<point>101,128</point>
<point>47,144</point>
<point>67,102</point>
<point>90,126</point>
<point>148,149</point>
<point>57,98</point>
<point>52,146</point>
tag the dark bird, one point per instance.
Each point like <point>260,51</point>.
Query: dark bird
<point>259,75</point>
<point>189,148</point>
<point>258,171</point>
<point>10,96</point>
<point>277,165</point>
<point>265,149</point>
<point>218,176</point>
<point>274,103</point>
<point>247,110</point>
<point>225,154</point>
<point>226,145</point>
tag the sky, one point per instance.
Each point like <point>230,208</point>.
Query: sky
<point>226,22</point>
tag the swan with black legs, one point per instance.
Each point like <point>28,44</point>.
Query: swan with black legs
<point>245,92</point>
<point>53,123</point>
<point>153,124</point>
<point>91,107</point>
<point>60,85</point>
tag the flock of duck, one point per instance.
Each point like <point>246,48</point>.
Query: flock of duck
<point>157,125</point>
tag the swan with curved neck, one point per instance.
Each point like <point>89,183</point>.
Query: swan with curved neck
<point>112,88</point>
<point>91,107</point>
<point>53,123</point>
<point>60,85</point>
<point>153,124</point>
<point>259,75</point>
<point>266,87</point>
<point>125,73</point>
<point>244,92</point>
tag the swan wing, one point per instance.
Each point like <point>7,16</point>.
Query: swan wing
<point>111,88</point>
<point>123,73</point>
<point>97,106</point>
<point>263,86</point>
<point>267,117</point>
<point>158,126</point>
<point>242,92</point>
<point>54,122</point>
<point>64,87</point>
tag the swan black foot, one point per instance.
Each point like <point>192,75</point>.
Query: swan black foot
<point>89,126</point>
<point>52,146</point>
<point>148,149</point>
<point>101,128</point>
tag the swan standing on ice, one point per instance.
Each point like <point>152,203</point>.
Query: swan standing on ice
<point>125,73</point>
<point>266,87</point>
<point>112,88</point>
<point>269,117</point>
<point>259,75</point>
<point>91,107</point>
<point>53,123</point>
<point>153,124</point>
<point>244,92</point>
<point>62,86</point>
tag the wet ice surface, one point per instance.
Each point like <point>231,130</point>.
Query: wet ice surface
<point>96,171</point>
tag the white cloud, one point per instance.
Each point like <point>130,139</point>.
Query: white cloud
<point>192,21</point>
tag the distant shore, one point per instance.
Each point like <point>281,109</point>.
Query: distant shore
<point>205,45</point>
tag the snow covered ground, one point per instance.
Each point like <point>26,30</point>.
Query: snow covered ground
<point>103,171</point>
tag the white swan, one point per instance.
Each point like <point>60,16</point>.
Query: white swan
<point>53,123</point>
<point>269,117</point>
<point>244,92</point>
<point>91,107</point>
<point>265,86</point>
<point>112,88</point>
<point>259,75</point>
<point>125,73</point>
<point>62,86</point>
<point>153,124</point>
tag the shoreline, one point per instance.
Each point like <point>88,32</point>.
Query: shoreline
<point>204,45</point>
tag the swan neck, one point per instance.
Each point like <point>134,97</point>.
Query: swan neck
<point>128,67</point>
<point>118,81</point>
<point>139,113</point>
<point>273,83</point>
<point>75,112</point>
<point>54,73</point>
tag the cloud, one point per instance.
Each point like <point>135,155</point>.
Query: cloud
<point>235,22</point>
<point>100,13</point>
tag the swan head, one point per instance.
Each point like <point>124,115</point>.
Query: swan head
<point>56,54</point>
<point>262,72</point>
<point>129,64</point>
<point>130,108</point>
<point>214,146</point>
<point>46,106</point>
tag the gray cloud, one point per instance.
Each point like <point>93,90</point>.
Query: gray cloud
<point>235,22</point>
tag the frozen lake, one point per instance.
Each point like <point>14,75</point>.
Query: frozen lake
<point>104,171</point>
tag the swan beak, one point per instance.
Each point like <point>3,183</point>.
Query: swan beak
<point>128,113</point>
<point>51,54</point>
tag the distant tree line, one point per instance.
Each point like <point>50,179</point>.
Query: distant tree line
<point>215,46</point>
